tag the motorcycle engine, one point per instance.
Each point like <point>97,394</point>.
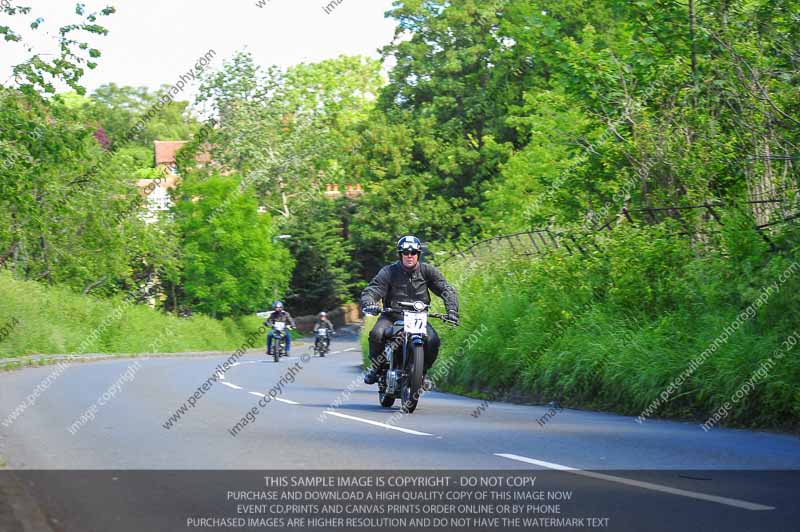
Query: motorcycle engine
<point>387,353</point>
<point>392,380</point>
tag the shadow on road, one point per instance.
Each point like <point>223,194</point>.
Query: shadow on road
<point>358,407</point>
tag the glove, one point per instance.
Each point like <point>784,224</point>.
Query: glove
<point>453,317</point>
<point>372,310</point>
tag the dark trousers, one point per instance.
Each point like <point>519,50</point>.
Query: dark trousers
<point>323,339</point>
<point>288,341</point>
<point>376,343</point>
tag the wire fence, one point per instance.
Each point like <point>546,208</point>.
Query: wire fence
<point>696,221</point>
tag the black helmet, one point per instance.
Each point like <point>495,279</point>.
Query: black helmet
<point>409,243</point>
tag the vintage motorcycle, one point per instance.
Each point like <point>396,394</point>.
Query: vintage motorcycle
<point>322,341</point>
<point>279,332</point>
<point>404,353</point>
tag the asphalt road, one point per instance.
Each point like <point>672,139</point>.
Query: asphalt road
<point>152,470</point>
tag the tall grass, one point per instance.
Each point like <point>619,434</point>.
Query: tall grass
<point>612,329</point>
<point>55,320</point>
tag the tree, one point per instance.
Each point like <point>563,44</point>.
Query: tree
<point>288,130</point>
<point>119,108</point>
<point>68,204</point>
<point>451,87</point>
<point>230,262</point>
<point>323,277</point>
<point>291,132</point>
<point>40,71</point>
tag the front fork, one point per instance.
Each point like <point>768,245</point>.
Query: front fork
<point>395,376</point>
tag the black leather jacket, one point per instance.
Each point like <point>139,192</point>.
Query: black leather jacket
<point>393,284</point>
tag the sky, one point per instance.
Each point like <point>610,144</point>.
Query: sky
<point>152,42</point>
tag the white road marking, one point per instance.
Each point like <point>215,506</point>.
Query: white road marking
<point>639,484</point>
<point>229,385</point>
<point>221,376</point>
<point>349,349</point>
<point>287,401</point>
<point>334,352</point>
<point>377,424</point>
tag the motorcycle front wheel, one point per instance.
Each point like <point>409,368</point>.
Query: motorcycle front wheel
<point>412,388</point>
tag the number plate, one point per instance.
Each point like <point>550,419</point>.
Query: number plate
<point>415,322</point>
<point>322,332</point>
<point>279,326</point>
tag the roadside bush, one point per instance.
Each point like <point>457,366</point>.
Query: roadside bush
<point>612,329</point>
<point>55,320</point>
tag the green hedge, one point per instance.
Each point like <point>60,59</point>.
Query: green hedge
<point>55,320</point>
<point>612,329</point>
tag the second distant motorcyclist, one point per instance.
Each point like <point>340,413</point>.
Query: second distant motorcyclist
<point>323,323</point>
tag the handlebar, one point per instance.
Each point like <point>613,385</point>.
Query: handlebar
<point>444,317</point>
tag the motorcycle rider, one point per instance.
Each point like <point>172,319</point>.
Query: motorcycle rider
<point>278,314</point>
<point>408,280</point>
<point>323,323</point>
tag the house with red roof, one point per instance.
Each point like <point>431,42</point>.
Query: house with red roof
<point>165,159</point>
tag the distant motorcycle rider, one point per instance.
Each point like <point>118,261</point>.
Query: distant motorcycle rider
<point>407,280</point>
<point>324,323</point>
<point>278,314</point>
